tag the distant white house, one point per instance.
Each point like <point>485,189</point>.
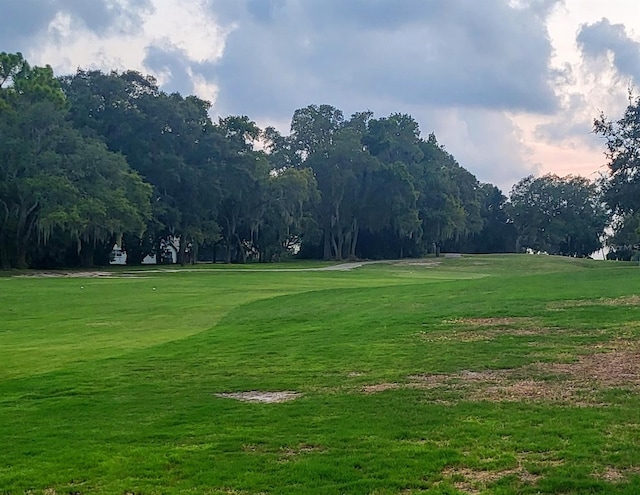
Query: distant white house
<point>168,247</point>
<point>169,251</point>
<point>117,256</point>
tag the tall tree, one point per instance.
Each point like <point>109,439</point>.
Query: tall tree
<point>558,215</point>
<point>622,186</point>
<point>53,179</point>
<point>170,140</point>
<point>622,138</point>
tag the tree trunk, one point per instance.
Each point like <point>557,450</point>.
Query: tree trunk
<point>326,254</point>
<point>26,223</point>
<point>355,230</point>
<point>231,230</point>
<point>193,256</point>
<point>182,251</point>
<point>86,254</point>
<point>339,245</point>
<point>5,264</point>
<point>21,256</point>
<point>242,254</point>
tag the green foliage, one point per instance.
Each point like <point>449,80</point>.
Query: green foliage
<point>558,215</point>
<point>54,180</point>
<point>623,153</point>
<point>622,186</point>
<point>94,158</point>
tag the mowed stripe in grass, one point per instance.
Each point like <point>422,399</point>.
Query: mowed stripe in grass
<point>145,418</point>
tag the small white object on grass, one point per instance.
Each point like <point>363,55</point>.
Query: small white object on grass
<point>154,288</point>
<point>82,287</point>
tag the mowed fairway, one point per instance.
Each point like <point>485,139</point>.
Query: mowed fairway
<point>480,374</point>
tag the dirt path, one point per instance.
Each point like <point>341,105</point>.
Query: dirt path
<point>352,265</point>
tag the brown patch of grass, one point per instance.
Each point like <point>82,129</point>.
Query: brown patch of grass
<point>576,383</point>
<point>525,390</point>
<point>288,453</point>
<point>633,300</point>
<point>539,458</point>
<point>478,329</point>
<point>380,387</point>
<point>477,336</point>
<point>614,368</point>
<point>472,481</point>
<point>484,322</point>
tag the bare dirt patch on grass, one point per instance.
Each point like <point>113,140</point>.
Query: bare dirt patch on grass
<point>615,475</point>
<point>422,263</point>
<point>261,396</point>
<point>609,369</point>
<point>576,383</point>
<point>473,481</point>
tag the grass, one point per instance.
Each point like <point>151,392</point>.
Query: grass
<point>481,374</point>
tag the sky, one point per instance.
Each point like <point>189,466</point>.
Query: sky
<point>509,87</point>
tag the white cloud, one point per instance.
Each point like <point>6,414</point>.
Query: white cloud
<point>188,28</point>
<point>186,25</point>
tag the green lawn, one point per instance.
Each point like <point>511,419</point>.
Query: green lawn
<point>480,374</point>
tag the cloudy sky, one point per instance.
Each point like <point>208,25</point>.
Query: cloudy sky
<point>510,87</point>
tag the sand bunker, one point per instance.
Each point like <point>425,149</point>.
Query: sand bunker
<point>260,396</point>
<point>68,274</point>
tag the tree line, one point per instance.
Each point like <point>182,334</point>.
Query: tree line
<point>92,159</point>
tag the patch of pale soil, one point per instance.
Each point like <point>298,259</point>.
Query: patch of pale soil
<point>355,374</point>
<point>427,264</point>
<point>632,300</point>
<point>260,396</point>
<point>614,475</point>
<point>611,475</point>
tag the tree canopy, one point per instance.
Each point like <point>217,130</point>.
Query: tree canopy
<point>94,158</point>
<point>622,187</point>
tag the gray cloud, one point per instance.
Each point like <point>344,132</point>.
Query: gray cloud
<point>598,39</point>
<point>22,20</point>
<point>486,143</point>
<point>102,15</point>
<point>287,53</point>
<point>570,124</point>
<point>173,62</point>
